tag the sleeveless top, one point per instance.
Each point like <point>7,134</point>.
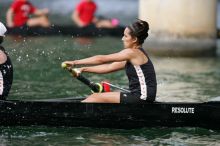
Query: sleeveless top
<point>6,76</point>
<point>142,79</point>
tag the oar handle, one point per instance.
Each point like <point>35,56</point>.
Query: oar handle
<point>95,87</point>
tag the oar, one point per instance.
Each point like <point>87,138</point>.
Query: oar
<point>95,87</point>
<point>117,87</point>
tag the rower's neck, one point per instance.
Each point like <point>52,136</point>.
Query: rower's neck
<point>136,47</point>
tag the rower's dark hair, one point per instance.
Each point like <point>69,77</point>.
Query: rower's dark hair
<point>1,39</point>
<point>139,29</point>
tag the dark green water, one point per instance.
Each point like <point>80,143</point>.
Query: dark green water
<point>42,136</point>
<point>38,75</point>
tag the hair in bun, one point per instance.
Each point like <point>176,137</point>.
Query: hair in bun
<point>139,29</point>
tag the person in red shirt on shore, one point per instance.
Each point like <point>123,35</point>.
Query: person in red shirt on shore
<point>84,15</point>
<point>19,15</point>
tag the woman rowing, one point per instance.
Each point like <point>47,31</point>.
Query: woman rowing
<point>84,15</point>
<point>138,66</point>
<point>6,68</point>
<point>19,14</point>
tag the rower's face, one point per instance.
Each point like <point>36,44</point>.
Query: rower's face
<point>127,39</point>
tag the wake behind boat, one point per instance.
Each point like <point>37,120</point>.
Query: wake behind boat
<point>89,31</point>
<point>71,112</point>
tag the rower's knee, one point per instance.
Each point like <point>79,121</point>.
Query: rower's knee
<point>39,21</point>
<point>45,21</point>
<point>89,99</point>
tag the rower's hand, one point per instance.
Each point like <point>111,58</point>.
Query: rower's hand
<point>81,24</point>
<point>76,72</point>
<point>45,11</point>
<point>67,64</point>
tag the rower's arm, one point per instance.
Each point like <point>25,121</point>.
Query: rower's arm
<point>104,68</point>
<point>76,19</point>
<point>9,18</point>
<point>95,20</point>
<point>40,12</point>
<point>124,55</point>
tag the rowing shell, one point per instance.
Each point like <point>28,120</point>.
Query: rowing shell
<point>89,31</point>
<point>71,112</point>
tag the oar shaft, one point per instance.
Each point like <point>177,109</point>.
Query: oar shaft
<point>87,82</point>
<point>95,87</point>
<point>117,87</point>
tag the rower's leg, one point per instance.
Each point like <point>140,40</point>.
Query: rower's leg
<point>106,23</point>
<point>38,21</point>
<point>107,97</point>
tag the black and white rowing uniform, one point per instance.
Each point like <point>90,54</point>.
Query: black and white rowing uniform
<point>6,76</point>
<point>142,82</point>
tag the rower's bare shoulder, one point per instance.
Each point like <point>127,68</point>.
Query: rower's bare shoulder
<point>128,51</point>
<point>3,57</point>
